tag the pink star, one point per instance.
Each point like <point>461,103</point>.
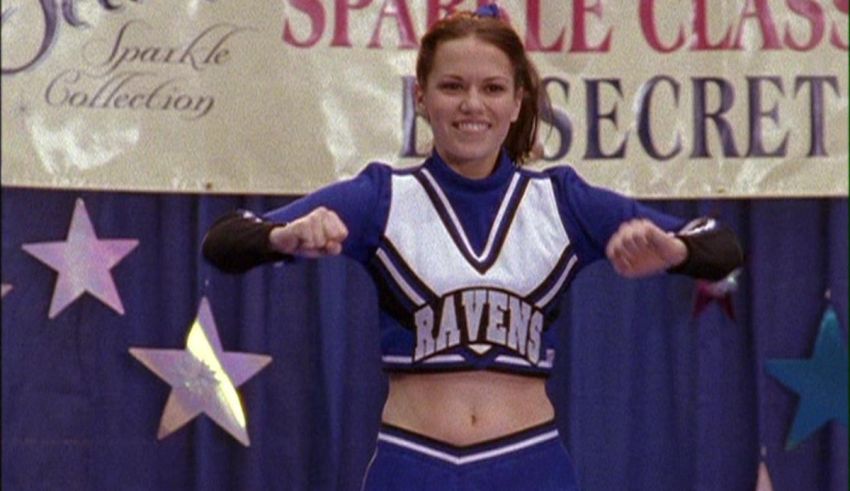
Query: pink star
<point>763,483</point>
<point>83,262</point>
<point>718,291</point>
<point>203,378</point>
<point>7,287</point>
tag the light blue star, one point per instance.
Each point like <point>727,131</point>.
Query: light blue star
<point>821,381</point>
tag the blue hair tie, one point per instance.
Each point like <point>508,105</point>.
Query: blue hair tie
<point>491,10</point>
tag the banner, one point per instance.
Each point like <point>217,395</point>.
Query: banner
<point>653,98</point>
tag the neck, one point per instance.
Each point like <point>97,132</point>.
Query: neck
<point>472,171</point>
<point>475,170</point>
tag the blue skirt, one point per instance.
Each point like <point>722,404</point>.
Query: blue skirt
<point>533,459</point>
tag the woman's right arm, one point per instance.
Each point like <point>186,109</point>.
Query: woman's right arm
<point>343,217</point>
<point>316,234</point>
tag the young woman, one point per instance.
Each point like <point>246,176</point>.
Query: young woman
<point>470,252</point>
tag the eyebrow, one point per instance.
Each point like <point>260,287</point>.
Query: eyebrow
<point>498,78</point>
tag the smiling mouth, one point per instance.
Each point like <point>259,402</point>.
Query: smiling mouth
<point>471,127</point>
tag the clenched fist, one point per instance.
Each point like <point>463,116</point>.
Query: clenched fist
<point>316,234</point>
<point>639,248</point>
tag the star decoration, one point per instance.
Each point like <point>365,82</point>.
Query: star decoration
<point>83,262</point>
<point>820,381</point>
<point>203,378</point>
<point>6,289</point>
<point>763,483</point>
<point>718,291</point>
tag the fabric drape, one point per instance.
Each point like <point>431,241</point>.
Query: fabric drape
<point>648,395</point>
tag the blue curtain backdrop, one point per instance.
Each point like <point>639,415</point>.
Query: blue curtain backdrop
<point>648,397</point>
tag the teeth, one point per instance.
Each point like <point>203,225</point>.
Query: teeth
<point>472,126</point>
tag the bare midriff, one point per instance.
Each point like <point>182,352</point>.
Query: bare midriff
<point>464,408</point>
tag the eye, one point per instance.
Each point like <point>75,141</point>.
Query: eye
<point>450,86</point>
<point>495,88</point>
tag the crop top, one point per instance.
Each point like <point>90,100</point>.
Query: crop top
<point>469,271</point>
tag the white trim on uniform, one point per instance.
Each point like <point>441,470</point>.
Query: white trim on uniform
<point>515,360</point>
<point>445,359</point>
<point>494,228</point>
<point>434,359</point>
<point>396,359</point>
<point>399,279</point>
<point>557,286</point>
<point>512,360</point>
<point>467,459</point>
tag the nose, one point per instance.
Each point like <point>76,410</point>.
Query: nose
<point>471,101</point>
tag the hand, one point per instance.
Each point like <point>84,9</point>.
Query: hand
<point>639,248</point>
<point>316,234</point>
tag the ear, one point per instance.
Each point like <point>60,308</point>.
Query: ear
<point>419,96</point>
<point>518,96</point>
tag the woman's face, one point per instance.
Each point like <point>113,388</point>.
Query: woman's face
<point>470,99</point>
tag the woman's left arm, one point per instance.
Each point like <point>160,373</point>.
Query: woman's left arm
<point>638,240</point>
<point>704,248</point>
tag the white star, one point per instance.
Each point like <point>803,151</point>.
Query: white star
<point>7,287</point>
<point>83,262</point>
<point>203,378</point>
<point>763,483</point>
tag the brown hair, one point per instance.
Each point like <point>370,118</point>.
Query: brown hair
<point>523,132</point>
